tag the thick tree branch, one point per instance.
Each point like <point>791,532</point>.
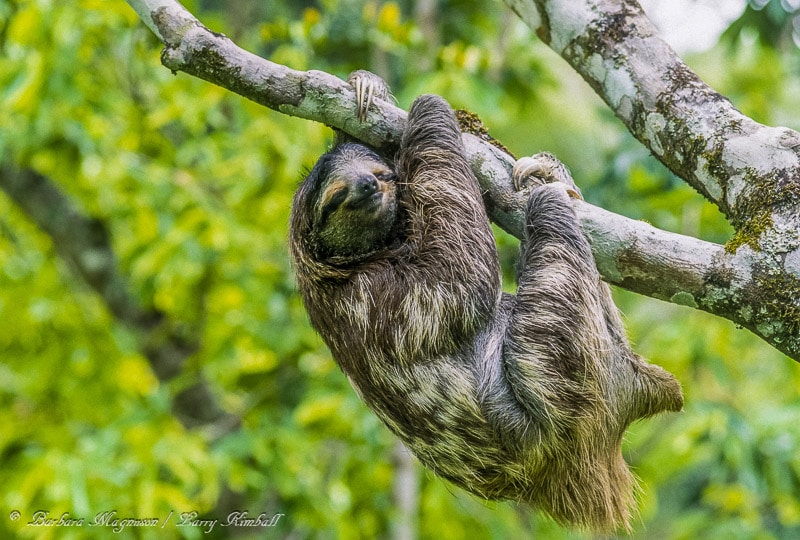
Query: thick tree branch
<point>84,244</point>
<point>628,253</point>
<point>735,162</point>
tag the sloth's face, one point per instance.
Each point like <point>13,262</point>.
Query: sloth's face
<point>356,204</point>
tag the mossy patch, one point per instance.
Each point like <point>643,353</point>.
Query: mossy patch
<point>749,232</point>
<point>765,192</point>
<point>782,301</point>
<point>469,122</point>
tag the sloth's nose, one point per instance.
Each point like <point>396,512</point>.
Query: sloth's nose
<point>363,189</point>
<point>366,185</point>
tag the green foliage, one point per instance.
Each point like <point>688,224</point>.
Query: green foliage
<point>195,185</point>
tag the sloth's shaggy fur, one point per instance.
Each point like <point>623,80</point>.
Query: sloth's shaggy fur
<point>522,397</point>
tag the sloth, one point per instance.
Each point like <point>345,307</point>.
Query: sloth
<point>521,397</point>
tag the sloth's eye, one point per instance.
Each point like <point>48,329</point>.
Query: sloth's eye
<point>333,202</point>
<point>385,176</point>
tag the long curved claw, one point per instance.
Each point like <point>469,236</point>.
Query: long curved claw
<point>527,171</point>
<point>368,86</point>
<point>365,91</point>
<point>543,168</point>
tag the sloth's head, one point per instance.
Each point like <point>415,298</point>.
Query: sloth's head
<point>352,201</point>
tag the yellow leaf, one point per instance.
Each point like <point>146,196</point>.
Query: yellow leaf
<point>27,89</point>
<point>25,25</point>
<point>135,376</point>
<point>788,511</point>
<point>145,225</point>
<point>389,17</point>
<point>229,297</point>
<point>318,409</point>
<point>311,17</point>
<point>258,361</point>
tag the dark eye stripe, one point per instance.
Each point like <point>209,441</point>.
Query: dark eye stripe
<point>333,203</point>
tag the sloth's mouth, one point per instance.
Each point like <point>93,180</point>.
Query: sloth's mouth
<point>367,201</point>
<point>375,203</point>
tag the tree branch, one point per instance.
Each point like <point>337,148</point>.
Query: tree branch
<point>629,253</point>
<point>696,132</point>
<point>84,244</point>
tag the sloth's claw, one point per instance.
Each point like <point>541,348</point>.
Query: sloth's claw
<point>540,169</point>
<point>368,86</point>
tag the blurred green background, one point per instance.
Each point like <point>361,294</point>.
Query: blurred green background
<point>194,185</point>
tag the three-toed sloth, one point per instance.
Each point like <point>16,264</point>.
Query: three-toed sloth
<point>523,397</point>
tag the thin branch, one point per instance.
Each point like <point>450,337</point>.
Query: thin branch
<point>405,494</point>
